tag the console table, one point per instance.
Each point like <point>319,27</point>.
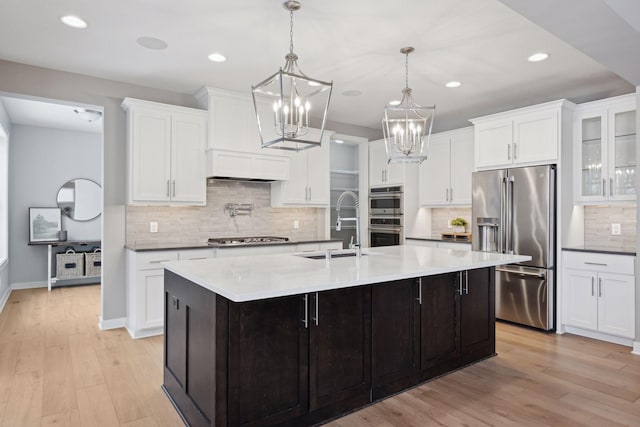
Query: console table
<point>50,245</point>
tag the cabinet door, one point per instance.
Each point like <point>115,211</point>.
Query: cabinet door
<point>440,324</point>
<point>234,124</point>
<point>477,314</point>
<point>621,153</point>
<point>461,168</point>
<point>394,174</point>
<point>151,155</point>
<point>493,143</point>
<point>176,338</point>
<point>616,304</point>
<point>340,349</point>
<point>377,163</point>
<point>535,137</point>
<point>188,142</point>
<point>149,299</point>
<point>318,174</point>
<point>294,191</point>
<point>434,173</point>
<point>395,324</point>
<point>268,361</point>
<point>580,302</point>
<point>590,158</point>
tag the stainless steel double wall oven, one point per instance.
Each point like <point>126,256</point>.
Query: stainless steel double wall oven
<point>386,216</point>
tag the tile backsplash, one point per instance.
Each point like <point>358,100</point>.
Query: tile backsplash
<point>441,216</point>
<point>194,224</point>
<point>597,226</point>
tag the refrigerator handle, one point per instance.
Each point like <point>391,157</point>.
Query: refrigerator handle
<point>503,216</point>
<point>510,185</point>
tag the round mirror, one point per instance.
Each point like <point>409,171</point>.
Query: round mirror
<point>80,199</point>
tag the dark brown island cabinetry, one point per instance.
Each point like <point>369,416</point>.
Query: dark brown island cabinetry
<point>303,359</point>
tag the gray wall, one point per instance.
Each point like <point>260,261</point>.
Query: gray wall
<point>4,269</point>
<point>41,82</point>
<point>41,161</point>
<point>637,341</point>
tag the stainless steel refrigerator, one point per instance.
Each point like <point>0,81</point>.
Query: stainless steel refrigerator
<point>513,211</point>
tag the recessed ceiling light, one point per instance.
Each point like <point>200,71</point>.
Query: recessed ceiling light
<point>352,93</point>
<point>338,141</point>
<point>537,57</point>
<point>453,83</point>
<point>73,21</point>
<point>394,102</point>
<point>217,57</point>
<point>152,43</point>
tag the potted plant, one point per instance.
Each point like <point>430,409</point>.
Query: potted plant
<point>458,225</point>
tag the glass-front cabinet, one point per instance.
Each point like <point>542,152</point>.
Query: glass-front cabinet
<point>605,158</point>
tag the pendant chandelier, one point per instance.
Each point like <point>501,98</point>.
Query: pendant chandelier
<point>407,126</point>
<point>284,101</point>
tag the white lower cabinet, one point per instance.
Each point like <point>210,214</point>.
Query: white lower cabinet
<point>599,295</point>
<point>436,244</point>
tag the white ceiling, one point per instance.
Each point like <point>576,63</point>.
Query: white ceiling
<point>49,115</point>
<point>355,43</point>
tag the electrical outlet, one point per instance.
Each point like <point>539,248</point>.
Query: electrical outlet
<point>153,227</point>
<point>296,224</point>
<point>615,229</point>
<point>449,224</point>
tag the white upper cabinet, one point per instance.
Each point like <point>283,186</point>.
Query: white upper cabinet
<point>308,183</point>
<point>234,148</point>
<point>445,176</point>
<point>382,173</point>
<point>527,136</point>
<point>605,150</point>
<point>165,148</point>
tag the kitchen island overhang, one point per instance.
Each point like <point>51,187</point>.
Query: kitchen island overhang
<point>286,340</point>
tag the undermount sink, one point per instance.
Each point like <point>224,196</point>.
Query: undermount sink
<point>324,256</point>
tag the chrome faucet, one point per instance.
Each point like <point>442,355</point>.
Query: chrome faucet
<point>356,218</point>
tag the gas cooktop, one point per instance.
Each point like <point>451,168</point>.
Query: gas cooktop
<point>228,241</point>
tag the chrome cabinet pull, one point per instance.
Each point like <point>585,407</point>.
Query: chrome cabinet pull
<point>316,313</point>
<point>466,282</point>
<point>460,283</point>
<point>309,193</point>
<point>174,188</point>
<point>515,151</point>
<point>595,263</point>
<point>593,292</point>
<point>451,194</point>
<point>508,151</point>
<point>306,311</point>
<point>159,261</point>
<point>382,175</point>
<point>419,290</point>
<point>604,186</point>
<point>610,186</point>
<point>600,287</point>
<point>446,194</point>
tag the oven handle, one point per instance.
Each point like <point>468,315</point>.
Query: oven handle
<point>389,229</point>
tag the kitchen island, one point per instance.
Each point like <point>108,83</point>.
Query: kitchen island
<point>292,340</point>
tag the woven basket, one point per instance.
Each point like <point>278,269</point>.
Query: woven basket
<point>93,262</point>
<point>69,265</point>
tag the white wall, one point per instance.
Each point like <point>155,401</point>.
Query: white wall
<point>5,130</point>
<point>41,161</point>
<point>76,88</point>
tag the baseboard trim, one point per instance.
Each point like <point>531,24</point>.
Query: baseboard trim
<point>28,285</point>
<point>144,333</point>
<point>636,348</point>
<point>4,298</point>
<point>628,342</point>
<point>119,322</point>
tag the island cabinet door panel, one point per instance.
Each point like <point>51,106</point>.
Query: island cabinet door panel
<point>477,314</point>
<point>190,350</point>
<point>340,352</point>
<point>268,361</point>
<point>440,324</point>
<point>395,355</point>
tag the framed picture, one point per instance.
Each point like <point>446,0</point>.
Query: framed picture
<point>44,224</point>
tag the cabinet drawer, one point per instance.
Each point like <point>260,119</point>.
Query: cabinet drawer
<point>203,253</point>
<point>154,259</point>
<point>619,264</point>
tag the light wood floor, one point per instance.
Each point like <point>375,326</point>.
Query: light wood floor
<point>57,368</point>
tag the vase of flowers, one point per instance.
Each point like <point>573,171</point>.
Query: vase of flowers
<point>459,225</point>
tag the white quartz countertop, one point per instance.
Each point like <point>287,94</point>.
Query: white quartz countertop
<point>249,278</point>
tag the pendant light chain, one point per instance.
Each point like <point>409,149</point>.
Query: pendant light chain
<point>291,32</point>
<point>406,70</point>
